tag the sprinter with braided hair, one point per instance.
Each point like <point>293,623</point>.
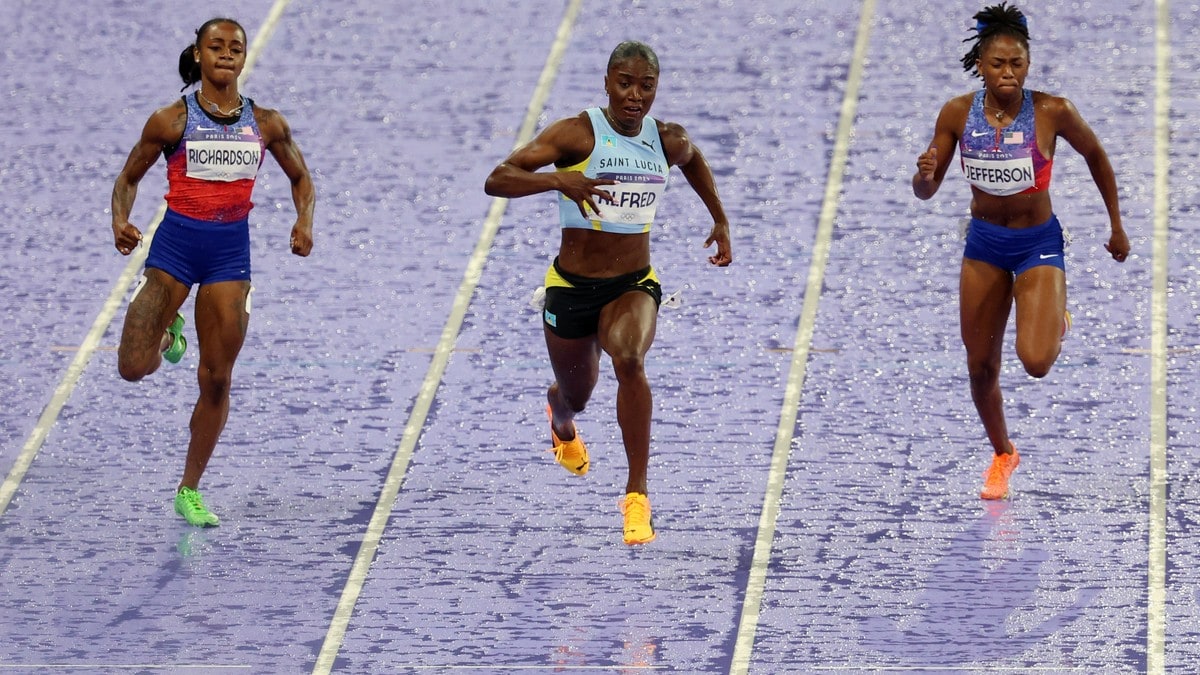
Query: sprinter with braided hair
<point>1006,135</point>
<point>989,23</point>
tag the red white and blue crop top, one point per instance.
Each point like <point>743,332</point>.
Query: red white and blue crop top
<point>211,172</point>
<point>1003,161</point>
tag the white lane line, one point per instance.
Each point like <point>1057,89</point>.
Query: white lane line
<point>752,603</point>
<point>416,421</point>
<point>1006,669</point>
<point>265,31</point>
<point>98,667</point>
<point>116,297</point>
<point>1156,575</point>
<point>563,668</point>
<point>70,379</point>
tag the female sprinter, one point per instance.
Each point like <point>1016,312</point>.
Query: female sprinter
<point>213,141</point>
<point>611,167</point>
<point>1006,135</point>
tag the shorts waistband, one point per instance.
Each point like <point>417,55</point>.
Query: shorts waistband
<point>1032,229</point>
<point>178,217</point>
<point>584,282</point>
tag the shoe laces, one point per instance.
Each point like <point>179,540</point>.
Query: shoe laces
<point>637,510</point>
<point>192,499</point>
<point>999,469</point>
<point>568,449</point>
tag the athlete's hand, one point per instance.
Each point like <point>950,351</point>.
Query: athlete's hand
<point>126,237</point>
<point>1118,246</point>
<point>927,163</point>
<point>583,190</point>
<point>720,236</point>
<point>301,241</point>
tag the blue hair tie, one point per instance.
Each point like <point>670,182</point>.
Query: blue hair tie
<point>980,24</point>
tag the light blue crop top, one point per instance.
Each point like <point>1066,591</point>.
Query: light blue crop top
<point>640,168</point>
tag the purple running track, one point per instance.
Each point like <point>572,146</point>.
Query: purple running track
<point>494,557</point>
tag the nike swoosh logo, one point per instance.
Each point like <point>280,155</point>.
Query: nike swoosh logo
<point>977,134</point>
<point>208,128</point>
<point>1052,255</point>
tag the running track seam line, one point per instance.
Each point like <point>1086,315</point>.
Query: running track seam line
<point>752,603</point>
<point>116,297</point>
<point>1157,536</point>
<point>437,367</point>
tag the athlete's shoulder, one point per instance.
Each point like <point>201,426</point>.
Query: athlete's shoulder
<point>962,102</point>
<point>671,132</point>
<point>172,110</point>
<point>953,115</point>
<point>676,144</point>
<point>1046,101</point>
<point>272,125</point>
<point>579,123</point>
<point>166,125</point>
<point>1051,106</point>
<point>264,115</point>
<point>958,107</point>
<point>573,137</point>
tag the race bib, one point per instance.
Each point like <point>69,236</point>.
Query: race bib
<point>635,198</point>
<point>1000,177</point>
<point>223,160</point>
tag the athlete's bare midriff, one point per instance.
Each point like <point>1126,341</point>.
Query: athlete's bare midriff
<point>1017,211</point>
<point>601,255</point>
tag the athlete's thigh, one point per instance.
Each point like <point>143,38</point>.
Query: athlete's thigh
<point>628,325</point>
<point>155,301</point>
<point>985,300</point>
<point>221,320</point>
<point>1041,297</point>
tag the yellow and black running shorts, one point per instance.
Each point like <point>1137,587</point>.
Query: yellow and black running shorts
<point>573,303</point>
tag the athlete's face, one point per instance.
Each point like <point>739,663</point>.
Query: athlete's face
<point>221,53</point>
<point>631,85</point>
<point>1004,64</point>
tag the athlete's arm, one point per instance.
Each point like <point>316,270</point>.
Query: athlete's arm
<point>563,143</point>
<point>1070,125</point>
<point>681,152</point>
<point>277,137</point>
<point>164,128</point>
<point>932,164</point>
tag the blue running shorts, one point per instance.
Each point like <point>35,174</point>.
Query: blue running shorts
<point>1016,250</point>
<point>199,251</point>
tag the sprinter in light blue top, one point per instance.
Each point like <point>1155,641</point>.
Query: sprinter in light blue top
<point>638,166</point>
<point>601,292</point>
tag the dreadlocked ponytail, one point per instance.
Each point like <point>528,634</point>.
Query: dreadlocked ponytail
<point>994,21</point>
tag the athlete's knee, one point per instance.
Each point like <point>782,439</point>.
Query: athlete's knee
<point>575,401</point>
<point>1038,367</point>
<point>1038,370</point>
<point>130,372</point>
<point>1037,359</point>
<point>215,382</point>
<point>133,366</point>
<point>983,372</point>
<point>629,366</point>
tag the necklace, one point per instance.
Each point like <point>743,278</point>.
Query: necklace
<point>233,112</point>
<point>1000,112</point>
<point>612,122</point>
